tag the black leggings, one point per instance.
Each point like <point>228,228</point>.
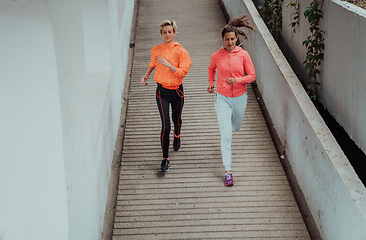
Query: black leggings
<point>176,99</point>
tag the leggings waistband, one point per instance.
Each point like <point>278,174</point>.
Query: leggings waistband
<point>170,87</point>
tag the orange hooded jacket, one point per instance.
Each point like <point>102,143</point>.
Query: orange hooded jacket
<point>178,57</point>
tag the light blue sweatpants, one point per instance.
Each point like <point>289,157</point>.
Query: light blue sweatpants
<point>230,114</point>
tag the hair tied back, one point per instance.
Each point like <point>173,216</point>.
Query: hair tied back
<point>235,23</point>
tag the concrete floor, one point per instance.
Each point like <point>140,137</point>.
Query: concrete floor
<point>190,201</point>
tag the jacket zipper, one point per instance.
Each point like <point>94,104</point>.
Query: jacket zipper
<point>232,86</point>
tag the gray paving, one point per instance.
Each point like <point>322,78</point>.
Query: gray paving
<point>190,201</point>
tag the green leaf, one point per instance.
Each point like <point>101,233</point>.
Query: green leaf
<point>312,18</point>
<point>314,97</point>
<point>309,56</point>
<point>314,4</point>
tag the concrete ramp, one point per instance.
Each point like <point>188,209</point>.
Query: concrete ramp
<point>190,201</point>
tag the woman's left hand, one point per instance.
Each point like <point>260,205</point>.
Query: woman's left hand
<point>162,61</point>
<point>210,89</point>
<point>230,80</point>
<point>165,63</point>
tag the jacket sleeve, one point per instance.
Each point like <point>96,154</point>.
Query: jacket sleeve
<point>184,64</point>
<point>212,71</point>
<point>152,58</point>
<point>249,69</point>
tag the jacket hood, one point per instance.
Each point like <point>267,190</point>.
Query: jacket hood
<point>236,50</point>
<point>173,44</point>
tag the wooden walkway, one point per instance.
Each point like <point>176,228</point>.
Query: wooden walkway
<point>190,201</point>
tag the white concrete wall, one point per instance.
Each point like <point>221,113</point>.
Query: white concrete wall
<point>334,194</point>
<point>343,73</point>
<point>62,72</point>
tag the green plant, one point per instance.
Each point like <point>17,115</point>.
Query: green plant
<point>295,16</point>
<point>315,47</point>
<point>271,12</point>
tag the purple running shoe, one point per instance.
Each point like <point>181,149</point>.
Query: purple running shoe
<point>229,179</point>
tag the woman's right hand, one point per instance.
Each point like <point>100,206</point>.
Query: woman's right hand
<point>210,89</point>
<point>144,79</point>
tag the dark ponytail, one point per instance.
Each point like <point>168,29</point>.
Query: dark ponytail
<point>236,23</point>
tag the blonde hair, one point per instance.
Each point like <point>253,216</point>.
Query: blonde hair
<point>168,23</point>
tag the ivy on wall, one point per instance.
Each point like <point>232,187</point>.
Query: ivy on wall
<point>271,13</point>
<point>315,46</point>
<point>295,16</point>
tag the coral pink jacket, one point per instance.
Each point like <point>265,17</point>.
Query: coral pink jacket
<point>176,55</point>
<point>234,64</point>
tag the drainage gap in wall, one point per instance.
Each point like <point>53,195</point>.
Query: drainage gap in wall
<point>355,155</point>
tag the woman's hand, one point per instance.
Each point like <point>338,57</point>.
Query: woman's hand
<point>146,76</point>
<point>144,79</point>
<point>165,63</point>
<point>162,61</point>
<point>230,80</point>
<point>210,89</point>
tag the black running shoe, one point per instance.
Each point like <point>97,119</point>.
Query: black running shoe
<point>165,165</point>
<point>176,143</point>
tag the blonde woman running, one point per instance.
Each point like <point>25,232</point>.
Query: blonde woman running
<point>172,63</point>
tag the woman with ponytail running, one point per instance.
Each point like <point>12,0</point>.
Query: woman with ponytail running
<point>235,69</point>
<point>172,63</point>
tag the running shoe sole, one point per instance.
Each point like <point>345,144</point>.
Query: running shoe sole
<point>165,167</point>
